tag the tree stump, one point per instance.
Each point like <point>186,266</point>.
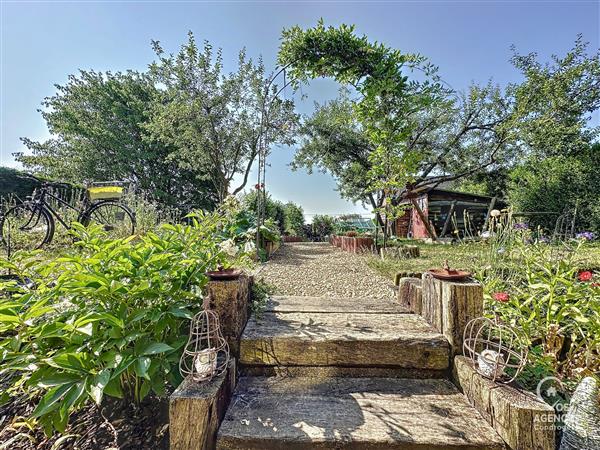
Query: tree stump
<point>409,251</point>
<point>449,305</point>
<point>401,252</point>
<point>406,274</point>
<point>520,418</point>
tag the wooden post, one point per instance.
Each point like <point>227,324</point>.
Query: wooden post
<point>197,409</point>
<point>520,418</point>
<point>489,212</point>
<point>448,219</point>
<point>230,300</point>
<point>409,294</point>
<point>449,305</point>
<point>423,218</point>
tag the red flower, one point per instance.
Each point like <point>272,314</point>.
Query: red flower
<point>585,276</point>
<point>501,296</point>
<point>257,186</point>
<point>596,284</point>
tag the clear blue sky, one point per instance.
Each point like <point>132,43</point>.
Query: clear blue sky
<point>44,41</point>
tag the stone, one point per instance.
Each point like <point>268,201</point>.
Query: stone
<point>519,417</point>
<point>197,409</point>
<point>352,413</point>
<point>582,421</point>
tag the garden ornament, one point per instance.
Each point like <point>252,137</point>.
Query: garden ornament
<point>496,351</point>
<point>582,421</point>
<point>206,354</point>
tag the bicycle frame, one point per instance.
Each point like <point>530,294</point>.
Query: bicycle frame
<point>40,200</point>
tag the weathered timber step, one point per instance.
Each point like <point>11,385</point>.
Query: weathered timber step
<point>343,339</point>
<point>352,413</point>
<point>292,303</point>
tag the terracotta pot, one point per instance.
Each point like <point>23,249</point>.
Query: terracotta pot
<point>224,274</point>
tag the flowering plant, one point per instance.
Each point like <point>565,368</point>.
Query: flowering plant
<point>586,236</point>
<point>586,275</point>
<point>501,297</point>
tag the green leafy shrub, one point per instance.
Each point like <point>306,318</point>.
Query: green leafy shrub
<point>294,219</point>
<point>107,319</point>
<point>322,225</point>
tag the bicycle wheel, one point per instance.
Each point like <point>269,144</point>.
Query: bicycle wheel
<point>26,227</point>
<point>117,220</point>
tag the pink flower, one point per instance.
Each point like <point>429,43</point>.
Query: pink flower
<point>585,276</point>
<point>501,296</point>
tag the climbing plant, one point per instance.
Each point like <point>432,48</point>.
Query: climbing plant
<point>388,103</point>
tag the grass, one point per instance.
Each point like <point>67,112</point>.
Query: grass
<point>468,256</point>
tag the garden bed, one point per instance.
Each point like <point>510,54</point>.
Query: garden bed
<point>115,425</point>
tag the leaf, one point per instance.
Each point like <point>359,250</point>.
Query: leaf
<point>50,399</point>
<point>113,388</point>
<point>98,384</point>
<point>154,348</point>
<point>58,379</point>
<point>141,366</point>
<point>181,312</point>
<point>145,389</point>
<point>68,361</point>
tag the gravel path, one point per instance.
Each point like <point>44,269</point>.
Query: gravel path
<point>318,269</point>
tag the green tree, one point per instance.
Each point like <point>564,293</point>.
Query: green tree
<point>557,99</point>
<point>214,120</point>
<point>553,107</point>
<point>559,184</point>
<point>322,226</point>
<point>403,130</point>
<point>274,209</point>
<point>97,121</point>
<point>293,219</point>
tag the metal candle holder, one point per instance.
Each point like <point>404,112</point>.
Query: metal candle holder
<point>206,354</point>
<point>493,348</point>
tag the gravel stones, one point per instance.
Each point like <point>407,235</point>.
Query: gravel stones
<point>321,270</point>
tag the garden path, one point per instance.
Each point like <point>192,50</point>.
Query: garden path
<point>319,269</point>
<point>336,363</point>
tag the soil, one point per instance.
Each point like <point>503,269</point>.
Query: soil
<point>116,425</point>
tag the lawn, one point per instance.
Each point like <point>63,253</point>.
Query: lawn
<point>472,256</point>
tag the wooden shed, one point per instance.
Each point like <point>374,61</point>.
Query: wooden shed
<point>449,213</point>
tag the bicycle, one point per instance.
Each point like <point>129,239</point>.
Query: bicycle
<point>31,225</point>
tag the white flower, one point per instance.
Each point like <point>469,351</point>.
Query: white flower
<point>229,247</point>
<point>249,247</point>
<point>495,213</point>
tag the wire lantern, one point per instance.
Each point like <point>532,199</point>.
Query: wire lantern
<point>496,351</point>
<point>206,354</point>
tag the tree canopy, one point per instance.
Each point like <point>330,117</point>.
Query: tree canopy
<point>404,127</point>
<point>214,119</point>
<point>179,132</point>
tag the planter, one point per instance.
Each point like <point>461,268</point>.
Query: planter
<point>293,239</point>
<point>271,247</point>
<point>352,244</point>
